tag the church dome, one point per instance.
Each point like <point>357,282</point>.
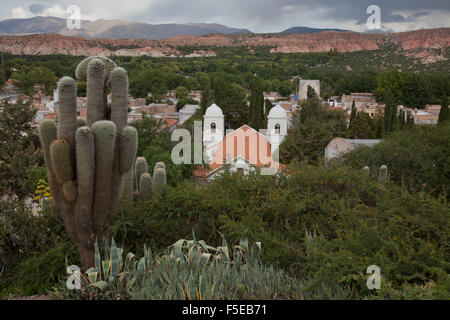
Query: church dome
<point>213,111</point>
<point>277,112</point>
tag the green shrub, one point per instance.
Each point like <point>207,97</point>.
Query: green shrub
<point>358,222</point>
<point>418,158</point>
<point>32,248</point>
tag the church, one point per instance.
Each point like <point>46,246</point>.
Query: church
<point>244,149</point>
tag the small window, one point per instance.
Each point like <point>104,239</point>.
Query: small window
<point>277,128</point>
<point>213,127</point>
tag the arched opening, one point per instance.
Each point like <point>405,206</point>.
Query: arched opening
<point>213,127</point>
<point>277,128</point>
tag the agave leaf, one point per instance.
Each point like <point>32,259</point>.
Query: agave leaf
<point>92,276</point>
<point>128,260</point>
<point>204,258</point>
<point>115,259</point>
<point>106,266</point>
<point>177,247</point>
<point>102,285</point>
<point>98,259</point>
<point>244,244</point>
<point>141,265</point>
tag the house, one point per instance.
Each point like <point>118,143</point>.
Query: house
<point>429,115</point>
<point>187,112</point>
<point>339,146</point>
<point>364,102</point>
<point>271,96</point>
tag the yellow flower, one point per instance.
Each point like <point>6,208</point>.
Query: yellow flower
<point>36,198</point>
<point>47,194</point>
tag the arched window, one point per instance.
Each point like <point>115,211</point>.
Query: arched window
<point>277,128</point>
<point>213,127</point>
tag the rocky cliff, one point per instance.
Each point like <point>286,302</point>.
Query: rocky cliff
<point>421,43</point>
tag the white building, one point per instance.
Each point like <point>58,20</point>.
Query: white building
<point>339,146</point>
<point>243,149</point>
<point>277,125</point>
<point>187,112</point>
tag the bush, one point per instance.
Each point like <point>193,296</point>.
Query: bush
<point>32,248</point>
<point>418,158</point>
<point>357,221</point>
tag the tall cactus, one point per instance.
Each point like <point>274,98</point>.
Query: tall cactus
<point>86,160</point>
<point>145,185</point>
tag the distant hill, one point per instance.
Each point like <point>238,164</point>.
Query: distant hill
<point>308,30</point>
<point>114,29</point>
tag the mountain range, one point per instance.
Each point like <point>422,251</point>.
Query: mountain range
<point>112,29</point>
<point>120,29</point>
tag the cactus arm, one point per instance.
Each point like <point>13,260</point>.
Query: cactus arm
<point>95,91</point>
<point>67,119</point>
<point>70,191</point>
<point>81,122</point>
<point>127,187</point>
<point>85,178</point>
<point>127,149</point>
<point>60,159</point>
<point>105,137</point>
<point>47,134</point>
<point>140,168</point>
<point>119,115</point>
<point>145,185</point>
<point>159,179</point>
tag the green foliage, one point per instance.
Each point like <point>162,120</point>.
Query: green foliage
<point>155,145</point>
<point>313,129</point>
<point>417,158</point>
<point>32,248</point>
<point>444,114</point>
<point>257,118</point>
<point>19,156</point>
<point>27,78</point>
<point>409,89</point>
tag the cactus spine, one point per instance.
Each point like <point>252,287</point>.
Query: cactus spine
<point>85,163</point>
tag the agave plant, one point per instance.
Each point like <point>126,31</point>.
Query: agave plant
<point>113,275</point>
<point>199,253</point>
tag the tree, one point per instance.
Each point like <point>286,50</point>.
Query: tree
<point>181,93</point>
<point>207,97</point>
<point>267,106</point>
<point>18,149</point>
<point>256,106</point>
<point>444,113</point>
<point>390,114</point>
<point>311,93</point>
<point>27,78</point>
<point>313,129</point>
<point>352,114</point>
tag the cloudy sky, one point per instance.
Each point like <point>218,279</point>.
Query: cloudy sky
<point>256,15</point>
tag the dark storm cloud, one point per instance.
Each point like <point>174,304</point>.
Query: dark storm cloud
<point>36,8</point>
<point>258,13</point>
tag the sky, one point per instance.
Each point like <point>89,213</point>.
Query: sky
<point>255,15</point>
